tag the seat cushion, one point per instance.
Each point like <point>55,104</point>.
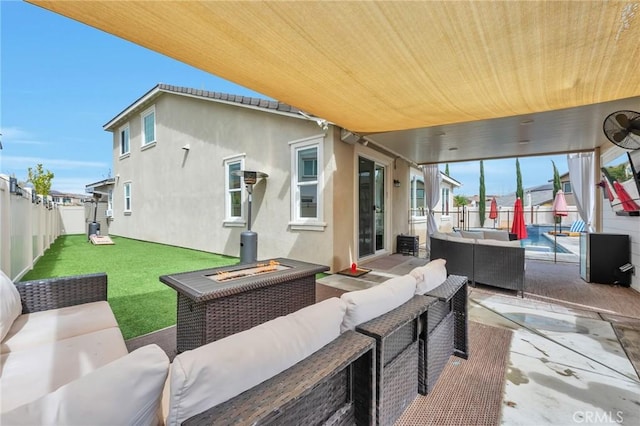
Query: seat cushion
<point>216,372</point>
<point>30,330</point>
<point>10,304</point>
<point>430,275</point>
<point>515,243</point>
<point>32,373</point>
<point>365,305</point>
<point>496,235</point>
<point>125,391</point>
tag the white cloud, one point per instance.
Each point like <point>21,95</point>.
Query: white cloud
<point>18,136</point>
<point>12,162</point>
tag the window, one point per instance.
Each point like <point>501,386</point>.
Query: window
<point>110,200</point>
<point>417,197</point>
<point>149,126</point>
<point>233,190</point>
<point>566,187</point>
<point>306,184</point>
<point>127,197</point>
<point>124,140</point>
<point>445,201</point>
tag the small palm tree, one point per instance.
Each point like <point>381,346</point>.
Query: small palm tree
<point>460,201</point>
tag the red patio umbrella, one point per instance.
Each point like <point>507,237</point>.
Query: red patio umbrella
<point>493,211</point>
<point>518,227</point>
<point>625,199</point>
<point>560,207</point>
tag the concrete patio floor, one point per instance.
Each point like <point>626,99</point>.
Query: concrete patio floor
<point>566,365</point>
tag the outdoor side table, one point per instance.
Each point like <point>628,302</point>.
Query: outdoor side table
<point>444,330</point>
<point>215,303</point>
<point>396,334</point>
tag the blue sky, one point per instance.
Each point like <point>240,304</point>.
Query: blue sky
<point>61,81</point>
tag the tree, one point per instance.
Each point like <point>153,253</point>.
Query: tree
<point>41,179</point>
<point>460,200</point>
<point>482,202</point>
<point>446,169</point>
<point>556,180</point>
<point>519,190</point>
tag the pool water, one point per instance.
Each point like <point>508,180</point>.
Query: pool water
<point>536,241</point>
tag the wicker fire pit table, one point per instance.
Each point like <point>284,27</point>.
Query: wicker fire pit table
<point>215,303</point>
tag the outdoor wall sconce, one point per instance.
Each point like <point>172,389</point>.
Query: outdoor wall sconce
<point>396,183</point>
<point>18,190</point>
<point>13,185</point>
<point>33,196</point>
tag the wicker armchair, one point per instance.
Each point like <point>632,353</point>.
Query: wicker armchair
<point>54,293</point>
<point>459,256</point>
<point>498,266</point>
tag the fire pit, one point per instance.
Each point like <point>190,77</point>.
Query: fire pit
<point>215,303</point>
<point>248,271</point>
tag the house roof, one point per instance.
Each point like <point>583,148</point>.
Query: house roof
<point>243,101</point>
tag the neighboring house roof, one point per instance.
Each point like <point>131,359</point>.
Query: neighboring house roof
<point>540,195</point>
<point>55,193</point>
<point>243,101</point>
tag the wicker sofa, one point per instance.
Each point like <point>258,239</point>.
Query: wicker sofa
<point>62,350</point>
<point>344,360</point>
<point>497,263</point>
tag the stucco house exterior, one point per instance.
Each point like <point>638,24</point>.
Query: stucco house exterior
<point>328,198</point>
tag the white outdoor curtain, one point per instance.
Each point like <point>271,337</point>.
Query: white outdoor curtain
<point>431,175</point>
<point>583,185</point>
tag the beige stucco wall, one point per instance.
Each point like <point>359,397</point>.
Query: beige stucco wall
<point>178,195</point>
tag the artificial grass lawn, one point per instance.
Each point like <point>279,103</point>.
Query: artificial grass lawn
<point>140,302</point>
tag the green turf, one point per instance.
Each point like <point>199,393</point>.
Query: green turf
<point>140,302</point>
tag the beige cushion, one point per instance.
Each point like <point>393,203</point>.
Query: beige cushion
<point>364,305</point>
<point>460,239</point>
<point>216,372</point>
<point>514,243</point>
<point>10,304</point>
<point>439,235</point>
<point>430,275</point>
<point>34,329</point>
<point>472,234</point>
<point>30,374</point>
<point>496,235</point>
<point>126,391</point>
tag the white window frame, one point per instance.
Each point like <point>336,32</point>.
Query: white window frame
<point>413,200</point>
<point>126,185</point>
<point>229,220</point>
<point>143,115</point>
<point>307,223</point>
<point>126,129</point>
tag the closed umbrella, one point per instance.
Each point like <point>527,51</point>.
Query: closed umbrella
<point>518,227</point>
<point>560,207</point>
<point>625,199</point>
<point>493,211</point>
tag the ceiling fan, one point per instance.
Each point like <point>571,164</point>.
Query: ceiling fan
<point>623,129</point>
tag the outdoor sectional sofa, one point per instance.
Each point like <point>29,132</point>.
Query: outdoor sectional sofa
<point>482,258</point>
<point>317,365</point>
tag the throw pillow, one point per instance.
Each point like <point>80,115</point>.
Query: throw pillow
<point>434,273</point>
<point>125,391</point>
<point>10,304</point>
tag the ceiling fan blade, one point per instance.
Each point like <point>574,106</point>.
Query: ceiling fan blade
<point>636,131</point>
<point>622,120</point>
<point>619,136</point>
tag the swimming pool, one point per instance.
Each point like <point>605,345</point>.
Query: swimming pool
<point>536,241</point>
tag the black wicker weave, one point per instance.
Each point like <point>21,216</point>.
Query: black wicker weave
<point>396,334</point>
<point>333,386</point>
<point>444,330</point>
<point>459,256</point>
<point>55,293</point>
<point>208,311</point>
<point>501,267</point>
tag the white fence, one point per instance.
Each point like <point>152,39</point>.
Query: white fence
<point>27,228</point>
